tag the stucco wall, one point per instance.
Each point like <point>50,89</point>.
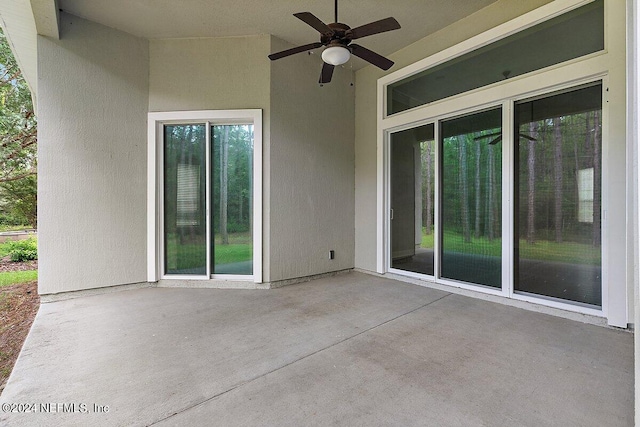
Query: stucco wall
<point>311,168</point>
<point>92,107</point>
<point>366,102</point>
<point>215,74</point>
<point>209,73</point>
<point>307,165</point>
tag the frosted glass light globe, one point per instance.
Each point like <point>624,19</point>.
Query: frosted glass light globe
<point>336,55</point>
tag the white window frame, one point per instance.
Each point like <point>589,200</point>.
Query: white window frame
<point>572,73</point>
<point>155,179</point>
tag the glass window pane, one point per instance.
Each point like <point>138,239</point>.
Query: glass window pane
<point>558,200</point>
<point>232,188</point>
<point>471,198</point>
<point>185,227</point>
<point>568,36</point>
<point>412,199</point>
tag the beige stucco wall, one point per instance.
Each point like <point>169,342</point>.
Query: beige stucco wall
<point>366,104</point>
<point>311,165</point>
<point>307,166</point>
<point>216,74</point>
<point>92,108</point>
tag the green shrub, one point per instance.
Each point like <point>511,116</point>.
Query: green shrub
<point>23,250</point>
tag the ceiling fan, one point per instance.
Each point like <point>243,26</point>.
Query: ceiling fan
<point>337,38</point>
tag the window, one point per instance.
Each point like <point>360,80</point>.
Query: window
<point>568,36</point>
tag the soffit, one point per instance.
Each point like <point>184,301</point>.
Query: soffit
<point>157,19</point>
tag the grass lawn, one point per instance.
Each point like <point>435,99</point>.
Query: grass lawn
<point>4,228</point>
<point>14,277</point>
<point>228,254</point>
<point>569,252</point>
<point>188,256</point>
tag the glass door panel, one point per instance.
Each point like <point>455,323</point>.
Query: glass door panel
<point>412,199</point>
<point>232,202</point>
<point>558,196</point>
<point>185,224</point>
<point>471,198</point>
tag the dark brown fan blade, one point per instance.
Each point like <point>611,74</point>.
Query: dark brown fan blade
<point>489,135</point>
<point>310,19</point>
<point>530,138</point>
<point>495,141</point>
<point>381,26</point>
<point>327,73</point>
<point>370,56</point>
<point>294,50</point>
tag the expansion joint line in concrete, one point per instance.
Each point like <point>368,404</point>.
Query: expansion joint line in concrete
<point>215,396</point>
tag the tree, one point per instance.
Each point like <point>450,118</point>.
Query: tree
<point>18,185</point>
<point>224,186</point>
<point>558,178</point>
<point>427,180</point>
<point>531,182</point>
<point>22,194</point>
<point>464,189</point>
<point>596,176</point>
<point>477,187</point>
<point>17,120</point>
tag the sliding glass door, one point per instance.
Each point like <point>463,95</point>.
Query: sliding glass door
<point>185,201</point>
<point>558,196</point>
<point>412,179</point>
<point>232,189</point>
<point>551,244</point>
<point>471,198</point>
<point>208,200</point>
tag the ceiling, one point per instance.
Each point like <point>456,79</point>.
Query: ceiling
<point>154,19</point>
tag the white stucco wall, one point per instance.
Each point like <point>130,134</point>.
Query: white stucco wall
<point>311,165</point>
<point>92,108</point>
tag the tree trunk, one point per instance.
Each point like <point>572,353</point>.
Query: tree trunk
<point>596,179</point>
<point>224,185</point>
<point>531,184</point>
<point>428,201</point>
<point>477,187</point>
<point>491,195</point>
<point>557,162</point>
<point>464,197</point>
<point>576,156</point>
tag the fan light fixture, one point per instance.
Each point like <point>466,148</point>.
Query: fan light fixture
<point>336,55</point>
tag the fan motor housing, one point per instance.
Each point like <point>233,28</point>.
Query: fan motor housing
<point>339,34</point>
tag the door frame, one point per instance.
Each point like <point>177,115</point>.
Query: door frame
<point>608,65</point>
<point>155,180</point>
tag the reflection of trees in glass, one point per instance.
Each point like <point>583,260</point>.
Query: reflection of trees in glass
<point>427,185</point>
<point>184,199</point>
<point>550,185</point>
<point>471,184</point>
<point>232,172</point>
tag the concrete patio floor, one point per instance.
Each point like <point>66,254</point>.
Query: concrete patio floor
<point>349,350</point>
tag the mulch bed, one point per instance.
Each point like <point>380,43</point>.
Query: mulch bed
<point>7,265</point>
<point>18,306</point>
